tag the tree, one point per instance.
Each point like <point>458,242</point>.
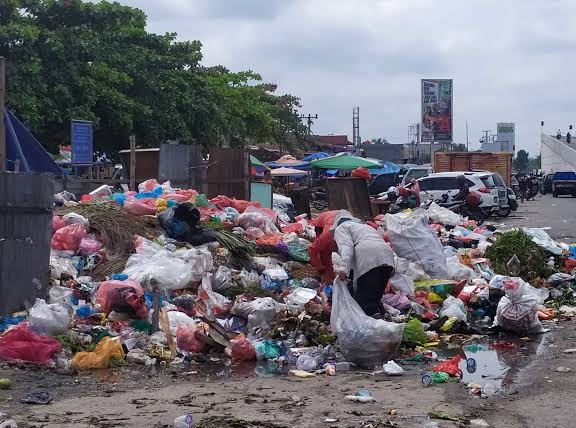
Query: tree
<point>459,148</point>
<point>535,163</point>
<point>379,141</point>
<point>69,59</point>
<point>521,163</point>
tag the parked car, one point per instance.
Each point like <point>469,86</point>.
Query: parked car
<point>436,185</point>
<point>546,186</point>
<point>416,172</point>
<point>512,200</point>
<point>564,183</point>
<point>494,181</point>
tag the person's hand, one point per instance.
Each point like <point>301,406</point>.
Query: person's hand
<point>342,276</point>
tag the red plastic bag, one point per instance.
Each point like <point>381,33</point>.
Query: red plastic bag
<point>450,367</point>
<point>122,296</point>
<point>362,173</point>
<point>187,341</point>
<point>240,205</point>
<point>243,350</point>
<point>21,343</point>
<point>221,201</point>
<point>57,223</point>
<point>68,237</point>
<point>570,264</point>
<point>140,206</point>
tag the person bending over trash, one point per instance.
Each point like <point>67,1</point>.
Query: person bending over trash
<point>366,260</point>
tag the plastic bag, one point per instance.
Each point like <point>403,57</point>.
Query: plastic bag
<point>412,239</point>
<point>259,312</point>
<point>414,332</point>
<point>450,366</point>
<point>223,278</point>
<point>73,218</point>
<point>397,301</point>
<point>62,266</point>
<point>49,319</point>
<point>140,207</point>
<point>267,350</point>
<point>240,205</point>
<point>61,295</point>
<point>148,185</point>
<point>21,343</point>
<point>259,220</point>
<point>57,223</point>
<point>163,271</point>
<point>221,201</point>
<point>298,252</point>
<point>411,270</point>
<point>106,350</point>
<point>402,284</point>
<point>68,237</point>
<point>89,245</point>
<point>243,350</point>
<point>187,341</point>
<point>457,271</point>
<point>122,296</point>
<point>542,239</point>
<point>364,341</point>
<point>517,311</point>
<point>438,214</point>
<point>253,233</point>
<point>215,303</point>
<point>249,279</point>
<point>454,308</point>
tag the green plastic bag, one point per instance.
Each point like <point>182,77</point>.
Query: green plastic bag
<point>201,201</point>
<point>414,332</point>
<point>297,252</point>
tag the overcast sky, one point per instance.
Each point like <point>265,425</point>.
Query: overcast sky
<point>511,60</point>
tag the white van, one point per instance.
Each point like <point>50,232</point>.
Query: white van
<point>416,172</point>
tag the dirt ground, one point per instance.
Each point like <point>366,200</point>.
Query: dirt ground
<point>535,394</point>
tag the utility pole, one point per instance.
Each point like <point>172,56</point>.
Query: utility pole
<point>132,140</point>
<point>356,127</point>
<point>309,121</point>
<point>467,140</point>
<point>2,125</point>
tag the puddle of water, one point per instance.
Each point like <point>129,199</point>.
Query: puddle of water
<point>499,362</point>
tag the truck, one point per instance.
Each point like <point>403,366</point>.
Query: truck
<point>500,162</point>
<point>564,183</point>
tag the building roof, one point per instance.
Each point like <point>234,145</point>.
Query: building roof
<point>331,140</point>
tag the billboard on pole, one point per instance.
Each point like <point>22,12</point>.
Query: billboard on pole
<point>437,110</point>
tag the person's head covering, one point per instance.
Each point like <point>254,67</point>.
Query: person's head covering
<point>341,217</point>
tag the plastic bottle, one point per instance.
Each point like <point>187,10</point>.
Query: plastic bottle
<point>184,421</point>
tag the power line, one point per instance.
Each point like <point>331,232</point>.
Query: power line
<point>309,120</point>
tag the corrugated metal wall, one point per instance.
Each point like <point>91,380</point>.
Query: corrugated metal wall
<point>183,166</point>
<point>469,161</point>
<point>229,173</point>
<point>25,233</point>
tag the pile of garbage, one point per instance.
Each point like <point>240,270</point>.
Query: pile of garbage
<point>168,276</point>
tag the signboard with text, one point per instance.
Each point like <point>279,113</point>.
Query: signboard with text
<point>82,142</point>
<point>437,120</point>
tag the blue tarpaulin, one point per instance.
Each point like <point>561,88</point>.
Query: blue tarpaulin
<point>387,168</point>
<point>314,156</point>
<point>21,145</point>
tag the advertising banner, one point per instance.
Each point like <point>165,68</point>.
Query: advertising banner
<point>82,142</point>
<point>436,110</point>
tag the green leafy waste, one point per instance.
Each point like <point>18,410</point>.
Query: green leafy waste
<point>517,243</point>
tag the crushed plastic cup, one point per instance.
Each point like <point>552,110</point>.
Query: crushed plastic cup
<point>184,421</point>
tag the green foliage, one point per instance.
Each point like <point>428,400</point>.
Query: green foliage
<point>70,59</point>
<point>516,242</point>
<point>522,162</point>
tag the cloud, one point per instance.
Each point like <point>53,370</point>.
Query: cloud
<point>510,60</point>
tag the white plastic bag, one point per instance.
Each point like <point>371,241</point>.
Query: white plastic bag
<point>412,270</point>
<point>259,312</point>
<point>402,284</point>
<point>49,319</point>
<point>542,239</point>
<point>73,218</point>
<point>364,341</point>
<point>216,304</point>
<point>518,310</point>
<point>413,239</point>
<point>61,265</point>
<point>164,272</point>
<point>223,278</point>
<point>249,279</point>
<point>438,214</point>
<point>176,319</point>
<point>457,271</point>
<point>454,308</point>
<point>61,295</point>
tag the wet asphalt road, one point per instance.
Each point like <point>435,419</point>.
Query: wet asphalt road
<point>557,215</point>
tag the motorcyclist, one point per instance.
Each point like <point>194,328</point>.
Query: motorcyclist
<point>464,189</point>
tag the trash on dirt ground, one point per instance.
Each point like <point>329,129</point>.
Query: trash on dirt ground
<point>392,369</point>
<point>563,369</point>
<point>362,396</point>
<point>40,397</point>
<point>5,383</point>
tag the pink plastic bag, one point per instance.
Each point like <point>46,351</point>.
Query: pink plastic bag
<point>68,237</point>
<point>122,296</point>
<point>21,343</point>
<point>241,205</point>
<point>243,350</point>
<point>221,201</point>
<point>187,341</point>
<point>140,206</point>
<point>57,223</point>
<point>89,245</point>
